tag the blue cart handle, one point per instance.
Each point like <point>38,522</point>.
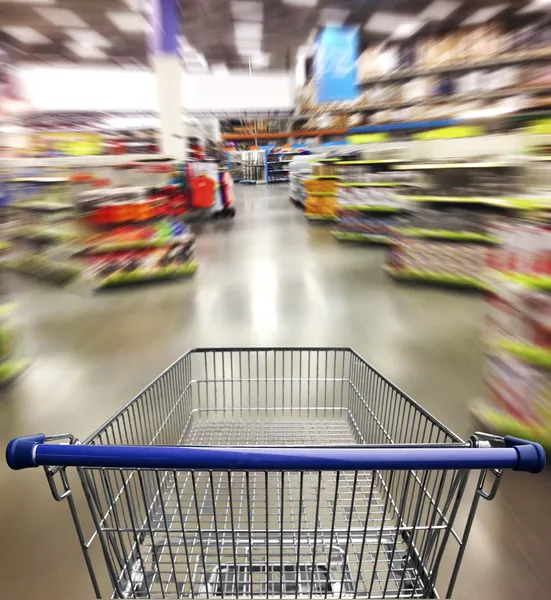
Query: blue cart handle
<point>31,451</point>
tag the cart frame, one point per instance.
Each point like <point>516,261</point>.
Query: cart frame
<point>305,473</point>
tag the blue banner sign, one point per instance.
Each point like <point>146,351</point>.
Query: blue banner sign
<point>335,64</point>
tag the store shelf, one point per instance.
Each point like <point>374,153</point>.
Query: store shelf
<point>437,278</point>
<point>514,203</point>
<point>37,266</point>
<point>492,420</point>
<point>454,165</point>
<point>503,61</point>
<point>542,282</point>
<point>369,208</point>
<point>38,180</point>
<point>321,193</point>
<point>142,276</point>
<point>369,184</point>
<point>45,234</point>
<point>136,245</point>
<point>443,234</point>
<point>434,124</point>
<point>349,236</point>
<point>370,162</point>
<point>316,217</point>
<point>325,109</point>
<point>529,353</point>
<point>324,177</point>
<point>282,135</point>
<point>12,368</point>
<point>41,206</point>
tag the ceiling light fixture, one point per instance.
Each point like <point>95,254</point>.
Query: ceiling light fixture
<point>202,60</point>
<point>301,3</point>
<point>61,17</point>
<point>220,69</point>
<point>88,37</point>
<point>27,35</point>
<point>85,51</point>
<point>406,30</point>
<point>536,6</point>
<point>129,22</point>
<point>28,1</point>
<point>484,14</point>
<point>247,10</point>
<point>333,16</point>
<point>260,61</point>
<point>439,10</point>
<point>248,31</point>
<point>385,22</point>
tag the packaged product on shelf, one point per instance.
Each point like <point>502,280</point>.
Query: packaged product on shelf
<point>421,256</point>
<point>518,332</point>
<point>520,390</point>
<point>367,196</point>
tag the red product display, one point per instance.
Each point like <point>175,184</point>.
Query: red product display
<point>202,192</point>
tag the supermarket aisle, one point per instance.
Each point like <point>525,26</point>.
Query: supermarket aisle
<point>267,279</point>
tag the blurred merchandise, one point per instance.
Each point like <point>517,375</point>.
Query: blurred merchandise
<point>321,190</point>
<point>84,230</point>
<point>300,169</point>
<point>518,331</point>
<point>12,359</point>
<point>454,263</point>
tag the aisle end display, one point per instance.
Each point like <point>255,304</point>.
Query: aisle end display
<point>110,235</point>
<point>367,202</point>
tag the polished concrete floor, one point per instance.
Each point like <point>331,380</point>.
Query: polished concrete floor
<point>266,279</point>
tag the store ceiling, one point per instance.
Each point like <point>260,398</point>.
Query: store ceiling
<point>218,33</point>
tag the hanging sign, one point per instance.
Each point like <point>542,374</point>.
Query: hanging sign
<point>335,64</point>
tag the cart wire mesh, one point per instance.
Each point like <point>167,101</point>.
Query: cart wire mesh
<point>292,534</point>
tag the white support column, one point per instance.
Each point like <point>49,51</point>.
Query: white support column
<point>165,63</point>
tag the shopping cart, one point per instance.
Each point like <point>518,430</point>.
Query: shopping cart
<point>296,473</point>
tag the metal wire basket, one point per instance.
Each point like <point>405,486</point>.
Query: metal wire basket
<point>276,473</point>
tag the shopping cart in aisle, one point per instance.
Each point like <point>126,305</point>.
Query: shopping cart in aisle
<point>271,473</point>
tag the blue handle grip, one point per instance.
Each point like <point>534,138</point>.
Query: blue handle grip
<point>20,451</point>
<point>31,452</point>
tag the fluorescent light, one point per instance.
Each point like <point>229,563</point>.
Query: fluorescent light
<point>202,60</point>
<point>536,6</point>
<point>301,3</point>
<point>248,31</point>
<point>246,10</point>
<point>61,17</point>
<point>385,22</point>
<point>27,1</point>
<point>407,29</point>
<point>88,37</point>
<point>484,14</point>
<point>439,10</point>
<point>248,51</point>
<point>85,51</point>
<point>27,35</point>
<point>220,69</point>
<point>333,16</point>
<point>195,66</point>
<point>260,61</point>
<point>129,22</point>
